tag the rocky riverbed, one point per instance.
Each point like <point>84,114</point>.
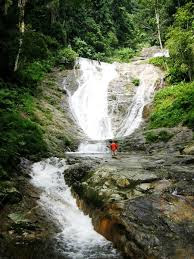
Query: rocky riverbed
<point>143,203</point>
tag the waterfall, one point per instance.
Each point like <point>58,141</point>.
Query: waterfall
<point>89,102</point>
<point>76,237</point>
<point>143,96</point>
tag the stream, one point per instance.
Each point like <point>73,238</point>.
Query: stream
<point>76,237</point>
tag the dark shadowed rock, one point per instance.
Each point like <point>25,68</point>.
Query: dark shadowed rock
<point>143,204</point>
<point>8,193</point>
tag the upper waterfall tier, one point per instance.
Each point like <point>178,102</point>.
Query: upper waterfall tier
<point>106,102</point>
<point>90,103</point>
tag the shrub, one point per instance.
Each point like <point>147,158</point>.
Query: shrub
<point>34,46</point>
<point>136,81</point>
<point>159,62</point>
<point>151,137</point>
<point>82,48</point>
<point>58,32</point>
<point>67,56</point>
<point>31,73</point>
<point>122,55</point>
<point>20,137</point>
<point>173,105</point>
<point>20,134</point>
<point>162,135</point>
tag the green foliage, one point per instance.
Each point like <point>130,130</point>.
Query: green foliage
<point>67,56</point>
<point>122,55</point>
<point>34,46</point>
<point>153,136</point>
<point>180,43</point>
<point>82,48</point>
<point>32,73</point>
<point>58,32</point>
<point>159,62</point>
<point>174,105</point>
<point>20,134</point>
<point>103,30</point>
<point>136,81</point>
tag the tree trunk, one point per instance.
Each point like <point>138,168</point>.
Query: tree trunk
<point>7,4</point>
<point>190,75</point>
<point>158,27</point>
<point>21,6</point>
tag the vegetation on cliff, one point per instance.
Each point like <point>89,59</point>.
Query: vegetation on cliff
<point>38,35</point>
<point>174,104</point>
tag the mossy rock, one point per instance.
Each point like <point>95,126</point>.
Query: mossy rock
<point>3,175</point>
<point>9,194</point>
<point>20,223</point>
<point>157,136</point>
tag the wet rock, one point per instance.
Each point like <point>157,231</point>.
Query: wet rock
<point>160,186</point>
<point>144,187</point>
<point>146,111</point>
<point>144,204</point>
<point>153,51</point>
<point>21,223</point>
<point>122,90</point>
<point>74,173</point>
<point>8,193</point>
<point>61,132</point>
<point>25,167</point>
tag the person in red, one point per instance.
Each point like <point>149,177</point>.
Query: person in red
<point>113,147</point>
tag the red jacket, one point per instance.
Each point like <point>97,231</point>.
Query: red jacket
<point>114,146</point>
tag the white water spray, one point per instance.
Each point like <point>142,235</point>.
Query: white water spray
<point>76,237</point>
<point>89,102</point>
<point>143,96</point>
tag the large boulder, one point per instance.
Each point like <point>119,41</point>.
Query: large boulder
<point>143,204</point>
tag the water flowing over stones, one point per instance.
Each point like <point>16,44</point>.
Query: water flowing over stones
<point>127,101</point>
<point>76,237</point>
<point>106,103</point>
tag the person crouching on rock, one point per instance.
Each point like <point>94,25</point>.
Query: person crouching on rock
<point>113,147</point>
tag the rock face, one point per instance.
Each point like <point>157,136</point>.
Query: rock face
<point>8,193</point>
<point>144,204</point>
<point>61,131</point>
<point>24,230</point>
<point>122,90</point>
<point>157,140</point>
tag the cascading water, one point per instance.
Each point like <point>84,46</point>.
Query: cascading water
<point>89,104</point>
<point>76,237</point>
<point>143,95</point>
